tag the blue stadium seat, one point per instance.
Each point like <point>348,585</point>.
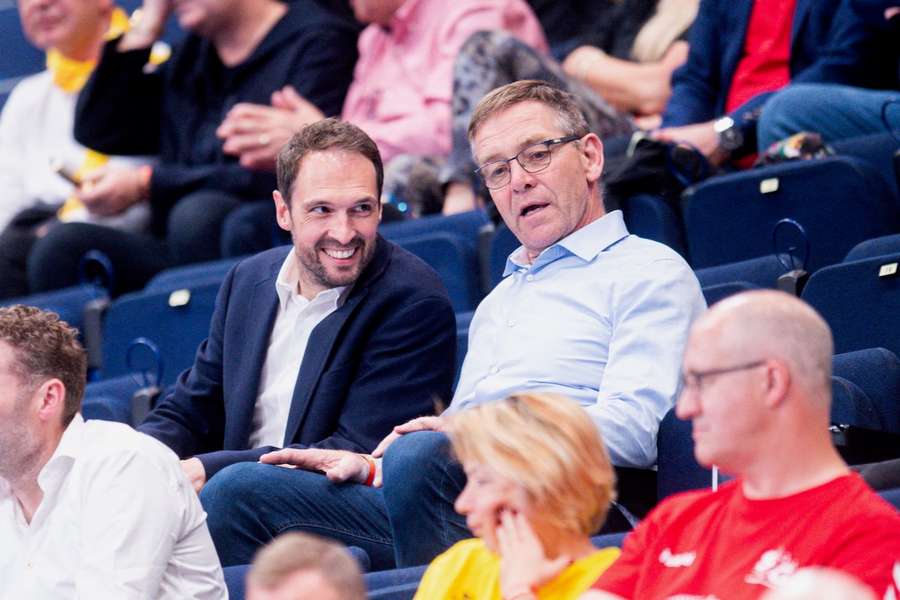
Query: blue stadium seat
<point>876,374</point>
<point>68,303</point>
<point>892,496</point>
<point>463,320</point>
<point>886,244</point>
<point>677,469</point>
<point>110,399</point>
<point>720,291</point>
<point>464,225</point>
<point>502,245</point>
<point>652,218</point>
<point>877,150</point>
<point>762,271</point>
<point>455,260</point>
<point>191,275</point>
<point>838,201</point>
<point>176,322</point>
<point>860,301</point>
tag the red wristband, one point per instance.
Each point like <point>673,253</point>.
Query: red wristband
<point>372,468</point>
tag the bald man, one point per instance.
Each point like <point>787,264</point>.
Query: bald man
<point>757,386</point>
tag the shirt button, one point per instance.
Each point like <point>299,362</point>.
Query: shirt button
<point>511,323</point>
<point>494,370</point>
<point>529,278</point>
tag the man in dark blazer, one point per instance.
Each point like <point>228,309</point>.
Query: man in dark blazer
<point>325,344</point>
<point>742,51</point>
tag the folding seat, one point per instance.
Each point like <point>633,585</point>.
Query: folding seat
<point>502,245</point>
<point>677,469</point>
<point>860,300</point>
<point>157,330</point>
<point>191,275</point>
<point>463,320</point>
<point>762,271</point>
<point>652,218</point>
<point>68,303</point>
<point>892,496</point>
<point>463,225</point>
<point>835,202</point>
<point>876,149</point>
<point>456,262</point>
<point>875,372</point>
<point>886,244</point>
<point>720,291</point>
<point>110,400</point>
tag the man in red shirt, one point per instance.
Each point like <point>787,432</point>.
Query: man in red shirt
<point>757,386</point>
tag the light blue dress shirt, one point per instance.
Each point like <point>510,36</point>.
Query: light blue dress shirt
<point>601,316</point>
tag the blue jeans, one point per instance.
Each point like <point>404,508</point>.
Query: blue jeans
<point>835,111</point>
<point>249,504</point>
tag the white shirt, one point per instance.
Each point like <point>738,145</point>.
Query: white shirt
<point>118,520</point>
<point>295,321</point>
<point>36,128</point>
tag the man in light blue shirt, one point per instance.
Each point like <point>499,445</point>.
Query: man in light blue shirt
<point>585,309</point>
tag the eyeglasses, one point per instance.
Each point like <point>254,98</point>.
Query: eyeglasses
<point>694,379</point>
<point>534,158</point>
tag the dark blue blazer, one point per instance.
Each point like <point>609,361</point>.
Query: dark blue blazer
<point>385,356</point>
<point>830,43</point>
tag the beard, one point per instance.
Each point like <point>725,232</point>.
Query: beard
<point>310,260</point>
<point>19,447</point>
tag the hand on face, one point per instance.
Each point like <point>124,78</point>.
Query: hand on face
<point>108,190</point>
<point>524,567</point>
<point>337,465</point>
<point>257,133</point>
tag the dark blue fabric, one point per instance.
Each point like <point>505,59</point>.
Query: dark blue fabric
<point>876,371</point>
<point>729,218</point>
<point>502,245</point>
<point>68,303</point>
<point>464,225</point>
<point>720,291</point>
<point>235,578</point>
<point>652,218</point>
<point>463,320</point>
<point>880,246</point>
<point>892,496</point>
<point>175,330</point>
<point>455,260</point>
<point>190,275</point>
<point>110,400</point>
<point>761,272</point>
<point>859,306</point>
<point>677,469</point>
<point>381,359</point>
<point>829,43</point>
<point>174,112</point>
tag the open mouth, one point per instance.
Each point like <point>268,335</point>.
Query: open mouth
<point>341,253</point>
<point>530,209</point>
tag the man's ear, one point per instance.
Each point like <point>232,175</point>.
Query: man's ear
<point>592,156</point>
<point>777,383</point>
<point>51,398</point>
<point>282,211</point>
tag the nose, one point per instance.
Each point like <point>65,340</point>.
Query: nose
<point>687,406</point>
<point>520,180</point>
<point>461,505</point>
<point>342,228</point>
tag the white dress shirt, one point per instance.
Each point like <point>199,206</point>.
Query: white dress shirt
<point>295,321</point>
<point>602,317</point>
<point>118,520</point>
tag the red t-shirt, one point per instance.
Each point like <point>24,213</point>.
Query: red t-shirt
<point>765,63</point>
<point>722,545</point>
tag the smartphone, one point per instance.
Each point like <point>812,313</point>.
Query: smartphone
<point>66,173</point>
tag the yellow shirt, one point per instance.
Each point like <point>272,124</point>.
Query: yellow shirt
<point>469,571</point>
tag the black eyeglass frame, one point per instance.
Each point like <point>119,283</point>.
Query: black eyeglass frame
<point>549,143</point>
<point>694,379</point>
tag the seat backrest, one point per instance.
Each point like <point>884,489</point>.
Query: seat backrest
<point>876,373</point>
<point>69,303</point>
<point>880,246</point>
<point>176,322</point>
<point>762,271</point>
<point>191,275</point>
<point>652,218</point>
<point>463,320</point>
<point>502,245</point>
<point>720,291</point>
<point>455,261</point>
<point>463,225</point>
<point>678,470</point>
<point>860,300</point>
<point>838,201</point>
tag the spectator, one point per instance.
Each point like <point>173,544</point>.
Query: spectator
<point>322,345</point>
<point>741,52</point>
<point>400,95</point>
<point>297,566</point>
<point>36,133</point>
<point>236,51</point>
<point>586,310</point>
<point>87,509</point>
<point>757,388</point>
<point>838,112</point>
<point>539,483</point>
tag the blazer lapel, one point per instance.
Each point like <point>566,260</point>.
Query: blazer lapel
<point>318,349</point>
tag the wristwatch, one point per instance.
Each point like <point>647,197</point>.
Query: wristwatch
<point>730,136</point>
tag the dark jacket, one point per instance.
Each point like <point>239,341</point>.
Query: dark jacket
<point>174,111</point>
<point>829,44</point>
<point>385,356</point>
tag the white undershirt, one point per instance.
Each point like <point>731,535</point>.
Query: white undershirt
<point>296,319</point>
<point>118,519</point>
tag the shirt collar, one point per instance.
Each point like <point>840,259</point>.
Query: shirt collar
<point>287,285</point>
<point>585,243</point>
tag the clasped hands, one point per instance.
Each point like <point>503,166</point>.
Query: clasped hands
<point>343,465</point>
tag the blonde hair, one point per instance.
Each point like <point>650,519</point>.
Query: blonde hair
<point>292,552</point>
<point>671,19</point>
<point>548,445</point>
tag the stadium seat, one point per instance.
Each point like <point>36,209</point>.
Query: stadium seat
<point>464,225</point>
<point>762,271</point>
<point>892,496</point>
<point>678,470</point>
<point>68,303</point>
<point>886,244</point>
<point>838,202</point>
<point>876,374</point>
<point>652,218</point>
<point>191,275</point>
<point>174,322</point>
<point>720,291</point>
<point>860,301</point>
<point>463,320</point>
<point>502,245</point>
<point>456,262</point>
<point>877,150</point>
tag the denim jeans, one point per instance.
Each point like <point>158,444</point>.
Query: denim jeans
<point>835,111</point>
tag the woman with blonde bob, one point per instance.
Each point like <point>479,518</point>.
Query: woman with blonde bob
<point>539,483</point>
